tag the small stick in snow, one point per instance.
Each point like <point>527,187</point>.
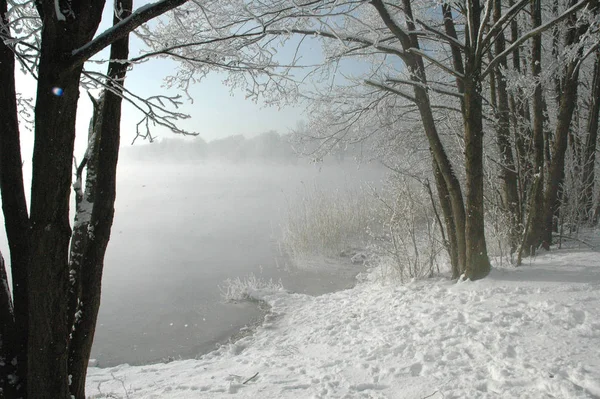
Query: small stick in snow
<point>250,379</point>
<point>429,396</point>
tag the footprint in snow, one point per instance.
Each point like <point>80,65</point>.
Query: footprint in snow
<point>415,369</point>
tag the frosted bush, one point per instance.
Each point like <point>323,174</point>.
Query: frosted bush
<point>250,288</point>
<point>325,223</point>
<point>409,243</point>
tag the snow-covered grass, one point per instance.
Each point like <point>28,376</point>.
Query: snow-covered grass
<point>322,222</point>
<point>248,288</point>
<point>530,332</point>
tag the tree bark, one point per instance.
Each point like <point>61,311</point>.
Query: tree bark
<point>508,173</point>
<point>48,271</point>
<point>7,339</point>
<point>39,243</point>
<point>416,66</point>
<point>477,262</point>
<point>14,206</point>
<point>535,217</point>
<point>450,226</point>
<point>568,101</point>
<point>557,166</point>
<point>103,185</point>
<point>591,143</point>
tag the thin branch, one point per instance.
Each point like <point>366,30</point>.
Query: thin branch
<point>390,89</point>
<point>442,35</point>
<point>121,29</point>
<point>435,62</point>
<point>534,32</point>
<point>426,87</point>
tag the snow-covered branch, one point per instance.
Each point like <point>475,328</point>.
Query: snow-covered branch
<point>121,29</point>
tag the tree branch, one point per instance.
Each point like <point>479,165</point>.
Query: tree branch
<point>534,32</point>
<point>390,89</point>
<point>120,30</point>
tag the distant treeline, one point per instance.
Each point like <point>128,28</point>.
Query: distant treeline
<point>266,147</point>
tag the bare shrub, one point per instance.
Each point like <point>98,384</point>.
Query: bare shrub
<point>409,241</point>
<point>320,222</point>
<point>250,288</point>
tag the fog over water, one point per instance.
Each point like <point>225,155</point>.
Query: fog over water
<point>180,230</point>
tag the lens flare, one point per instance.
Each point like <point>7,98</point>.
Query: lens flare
<point>57,91</point>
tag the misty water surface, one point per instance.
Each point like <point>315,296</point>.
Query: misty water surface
<point>180,230</point>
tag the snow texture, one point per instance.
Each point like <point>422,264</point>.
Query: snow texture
<point>531,332</point>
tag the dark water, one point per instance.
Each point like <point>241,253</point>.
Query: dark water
<point>180,230</point>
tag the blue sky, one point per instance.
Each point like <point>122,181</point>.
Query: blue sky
<point>216,111</point>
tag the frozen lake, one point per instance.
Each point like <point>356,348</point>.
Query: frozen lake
<point>180,230</point>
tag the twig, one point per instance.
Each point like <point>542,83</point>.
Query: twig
<point>250,379</point>
<point>562,237</point>
<point>429,396</point>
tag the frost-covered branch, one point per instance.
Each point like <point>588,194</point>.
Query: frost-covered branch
<point>122,29</point>
<point>533,32</point>
<point>156,110</point>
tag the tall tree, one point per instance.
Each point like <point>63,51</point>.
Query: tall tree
<point>533,226</point>
<point>39,243</point>
<point>398,33</point>
<point>508,170</point>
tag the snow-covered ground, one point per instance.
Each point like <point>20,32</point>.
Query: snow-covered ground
<point>530,332</point>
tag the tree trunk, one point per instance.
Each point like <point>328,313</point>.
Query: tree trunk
<point>477,262</point>
<point>416,66</point>
<point>39,243</point>
<point>446,204</point>
<point>48,272</point>
<point>591,142</point>
<point>14,207</point>
<point>102,188</point>
<point>559,148</point>
<point>568,101</point>
<point>452,185</point>
<point>7,339</point>
<point>535,217</point>
<point>521,125</point>
<point>508,173</point>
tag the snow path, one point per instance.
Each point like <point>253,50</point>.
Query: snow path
<point>531,332</point>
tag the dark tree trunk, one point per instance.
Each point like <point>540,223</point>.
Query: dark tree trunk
<point>416,66</point>
<point>521,125</point>
<point>39,243</point>
<point>508,174</point>
<point>477,262</point>
<point>48,272</point>
<point>7,338</point>
<point>444,166</point>
<point>14,206</point>
<point>450,226</point>
<point>535,217</point>
<point>591,142</point>
<point>102,190</point>
<point>557,166</point>
<point>84,200</point>
<point>568,101</point>
<point>457,60</point>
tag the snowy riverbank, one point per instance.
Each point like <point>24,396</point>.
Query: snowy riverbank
<point>531,332</point>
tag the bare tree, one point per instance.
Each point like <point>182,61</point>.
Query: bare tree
<point>409,34</point>
<point>39,238</point>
